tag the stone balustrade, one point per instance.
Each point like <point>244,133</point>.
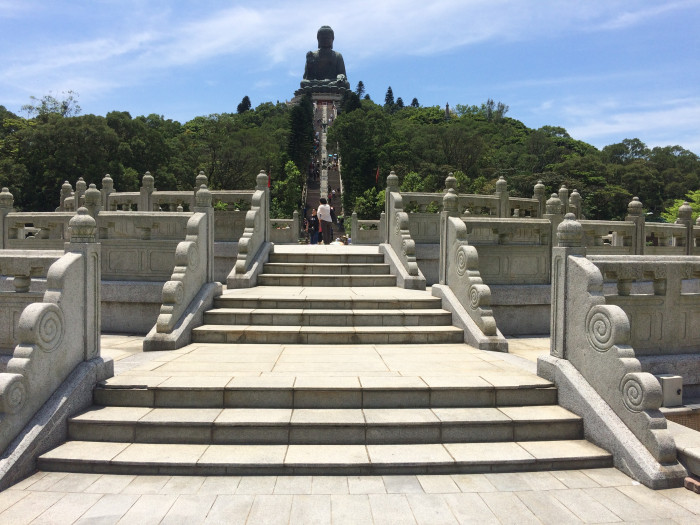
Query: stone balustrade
<point>600,335</point>
<point>254,244</point>
<point>55,334</point>
<point>191,288</point>
<point>367,231</point>
<point>285,231</point>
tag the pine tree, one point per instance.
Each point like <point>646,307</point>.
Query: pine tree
<point>389,99</point>
<point>244,106</point>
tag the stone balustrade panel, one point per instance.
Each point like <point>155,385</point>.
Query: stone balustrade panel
<point>124,201</point>
<point>37,231</point>
<point>665,322</point>
<point>229,225</point>
<point>399,235</point>
<point>424,227</point>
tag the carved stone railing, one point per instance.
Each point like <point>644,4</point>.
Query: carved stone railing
<point>191,287</point>
<point>592,333</point>
<point>398,235</point>
<point>36,231</point>
<point>285,231</point>
<point>56,334</point>
<point>368,231</point>
<point>255,238</point>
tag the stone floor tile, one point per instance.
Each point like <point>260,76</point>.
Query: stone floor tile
<point>157,454</point>
<point>366,485</point>
<point>471,453</point>
<point>47,481</point>
<point>541,481</point>
<point>108,509</point>
<point>575,479</point>
<point>146,485</point>
<point>609,477</point>
<point>256,485</point>
<point>181,415</point>
<point>183,485</point>
<point>110,484</point>
<point>310,509</point>
<point>28,482</point>
<point>508,508</point>
<point>189,509</point>
<point>509,481</point>
<point>437,484</point>
<point>402,485</point>
<point>10,497</point>
<point>390,509</point>
<point>328,455</point>
<point>293,485</point>
<point>470,508</point>
<point>329,485</point>
<point>243,454</point>
<point>431,509</point>
<point>229,509</point>
<point>28,508</point>
<point>219,485</point>
<point>68,509</point>
<point>349,509</point>
<point>473,483</point>
<point>683,497</point>
<point>585,507</point>
<point>409,454</point>
<point>655,501</point>
<point>148,509</point>
<point>621,505</point>
<point>547,509</point>
<point>74,482</point>
<point>271,509</point>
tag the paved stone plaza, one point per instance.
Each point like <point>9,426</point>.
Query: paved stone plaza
<point>566,496</point>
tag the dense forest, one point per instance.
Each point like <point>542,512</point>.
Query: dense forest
<point>421,144</point>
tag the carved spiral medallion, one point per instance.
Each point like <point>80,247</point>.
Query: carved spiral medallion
<point>633,394</point>
<point>193,257</point>
<point>13,394</point>
<point>461,260</point>
<point>474,298</point>
<point>49,331</point>
<point>600,329</point>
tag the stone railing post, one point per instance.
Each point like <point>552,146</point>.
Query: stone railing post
<point>635,214</point>
<point>685,213</point>
<point>83,240</point>
<point>295,226</point>
<point>564,198</point>
<point>355,229</point>
<point>539,194</point>
<point>392,186</point>
<point>261,184</point>
<point>450,208</point>
<point>575,204</point>
<point>503,197</point>
<point>106,191</point>
<point>569,241</point>
<point>203,204</point>
<point>200,180</point>
<point>80,189</point>
<point>6,203</point>
<point>147,188</point>
<point>555,214</point>
<point>66,191</point>
<point>93,201</point>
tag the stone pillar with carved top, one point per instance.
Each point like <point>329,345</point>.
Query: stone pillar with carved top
<point>635,214</point>
<point>450,208</point>
<point>147,189</point>
<point>203,204</point>
<point>6,203</point>
<point>503,197</point>
<point>83,241</point>
<point>685,213</point>
<point>106,191</point>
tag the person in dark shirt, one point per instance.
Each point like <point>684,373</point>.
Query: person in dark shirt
<point>312,227</point>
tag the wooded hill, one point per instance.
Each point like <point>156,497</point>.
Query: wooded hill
<point>421,144</point>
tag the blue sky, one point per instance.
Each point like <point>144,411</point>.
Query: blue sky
<point>605,70</point>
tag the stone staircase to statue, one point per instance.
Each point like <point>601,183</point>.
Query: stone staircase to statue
<point>326,367</point>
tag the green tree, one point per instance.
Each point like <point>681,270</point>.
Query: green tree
<point>244,106</point>
<point>360,89</point>
<point>301,136</point>
<point>286,192</point>
<point>414,103</point>
<point>389,99</point>
<point>67,107</point>
<point>692,198</point>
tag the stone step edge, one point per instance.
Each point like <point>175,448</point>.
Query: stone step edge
<point>141,458</point>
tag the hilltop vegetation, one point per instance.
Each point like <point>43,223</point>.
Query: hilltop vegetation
<point>422,144</point>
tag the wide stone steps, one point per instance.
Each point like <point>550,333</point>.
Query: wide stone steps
<point>290,393</point>
<point>311,279</point>
<point>326,317</point>
<point>334,302</point>
<point>327,334</point>
<point>203,459</point>
<point>301,426</point>
<point>311,257</point>
<point>325,268</point>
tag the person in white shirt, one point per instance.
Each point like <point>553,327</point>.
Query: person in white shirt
<point>324,217</point>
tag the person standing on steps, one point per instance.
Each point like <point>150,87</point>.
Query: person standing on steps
<point>312,227</point>
<point>324,217</point>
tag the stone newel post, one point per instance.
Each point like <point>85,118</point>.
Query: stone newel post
<point>106,191</point>
<point>392,186</point>
<point>635,214</point>
<point>66,191</point>
<point>503,197</point>
<point>147,188</point>
<point>685,213</point>
<point>80,189</point>
<point>539,194</point>
<point>93,201</point>
<point>6,202</point>
<point>569,242</point>
<point>450,208</point>
<point>575,204</point>
<point>83,241</point>
<point>203,204</point>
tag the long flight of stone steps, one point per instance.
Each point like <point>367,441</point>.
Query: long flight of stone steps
<point>282,423</point>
